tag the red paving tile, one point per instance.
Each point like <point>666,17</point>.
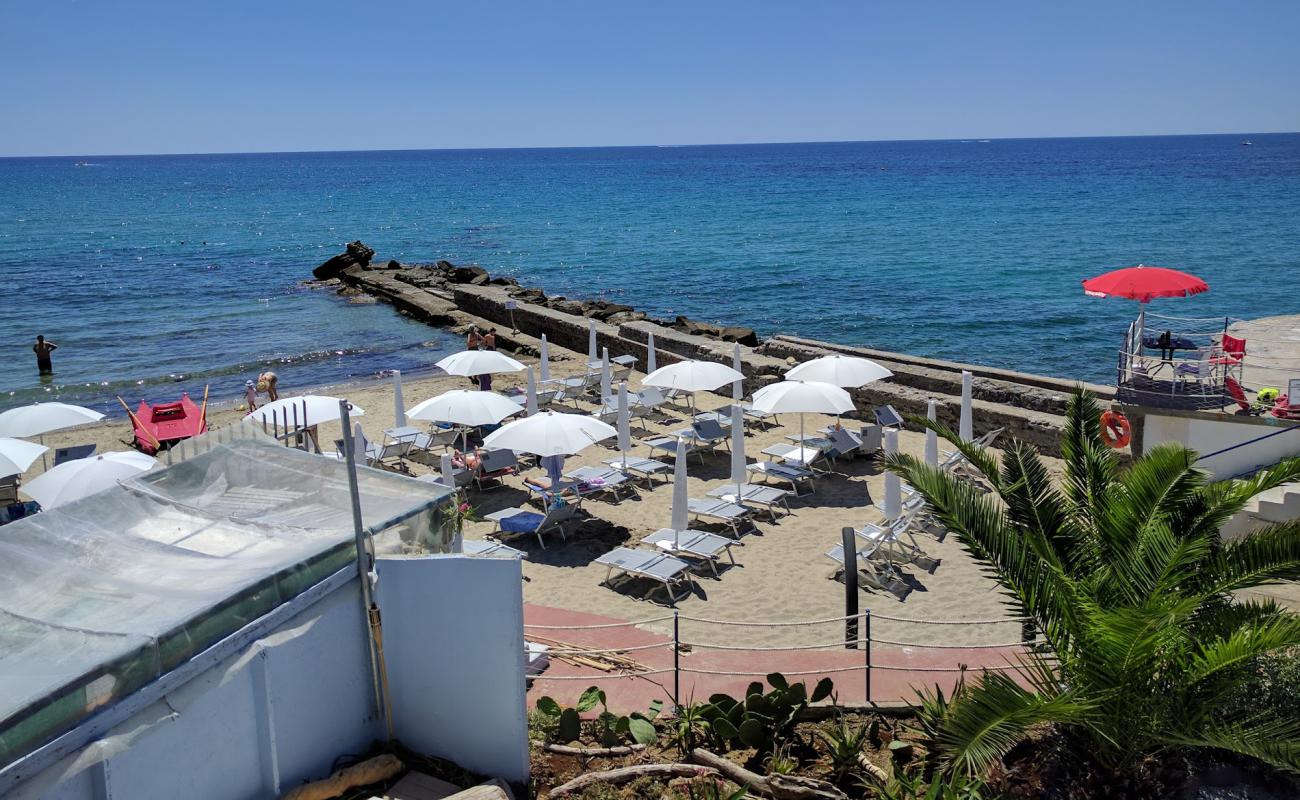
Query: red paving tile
<point>895,669</point>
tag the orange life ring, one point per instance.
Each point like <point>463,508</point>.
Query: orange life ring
<point>1116,430</point>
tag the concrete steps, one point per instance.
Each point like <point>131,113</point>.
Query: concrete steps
<point>1279,504</point>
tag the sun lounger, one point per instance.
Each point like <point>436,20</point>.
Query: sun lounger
<point>598,480</point>
<point>890,538</point>
<point>805,457</point>
<point>885,578</point>
<point>494,465</point>
<point>888,417</point>
<point>785,472</point>
<point>668,444</point>
<point>9,489</point>
<point>955,461</point>
<point>765,419</point>
<point>720,511</point>
<point>475,547</point>
<point>707,548</point>
<point>63,455</point>
<point>747,494</point>
<point>526,522</point>
<point>372,450</point>
<point>647,468</point>
<point>666,570</point>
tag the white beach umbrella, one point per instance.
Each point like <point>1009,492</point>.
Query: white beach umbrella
<point>310,409</point>
<point>548,433</point>
<point>399,405</point>
<point>530,400</point>
<point>931,438</point>
<point>40,418</point>
<point>692,376</point>
<point>737,387</point>
<point>591,341</point>
<point>847,371</point>
<point>738,447</point>
<point>16,455</point>
<point>965,427</point>
<point>478,362</point>
<point>73,480</point>
<point>681,504</point>
<point>651,361</point>
<point>624,423</point>
<point>465,407</point>
<point>544,366</point>
<point>605,378</point>
<point>893,485</point>
<point>802,396</point>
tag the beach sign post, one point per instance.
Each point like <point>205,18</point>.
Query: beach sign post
<point>544,367</point>
<point>399,407</point>
<point>651,363</point>
<point>965,428</point>
<point>680,519</point>
<point>511,305</point>
<point>931,438</point>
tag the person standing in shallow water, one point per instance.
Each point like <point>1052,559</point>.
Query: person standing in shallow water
<point>43,349</point>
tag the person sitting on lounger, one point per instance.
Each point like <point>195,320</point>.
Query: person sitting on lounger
<point>468,460</point>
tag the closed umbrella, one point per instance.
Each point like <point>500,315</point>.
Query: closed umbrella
<point>802,396</point>
<point>651,362</point>
<point>16,455</point>
<point>73,480</point>
<point>399,406</point>
<point>544,368</point>
<point>466,407</point>
<point>738,448</point>
<point>931,438</point>
<point>893,485</point>
<point>478,362</point>
<point>530,401</point>
<point>358,444</point>
<point>624,423</point>
<point>304,410</point>
<point>737,387</point>
<point>846,371</point>
<point>605,378</point>
<point>681,504</point>
<point>591,341</point>
<point>965,425</point>
<point>548,433</point>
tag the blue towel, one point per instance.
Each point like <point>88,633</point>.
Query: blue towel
<point>526,522</point>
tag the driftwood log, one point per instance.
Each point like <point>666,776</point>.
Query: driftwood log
<point>372,770</point>
<point>626,774</point>
<point>592,752</point>
<point>778,787</point>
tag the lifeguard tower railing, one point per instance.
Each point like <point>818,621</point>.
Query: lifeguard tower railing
<point>1179,362</point>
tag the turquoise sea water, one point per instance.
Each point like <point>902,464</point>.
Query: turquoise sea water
<point>162,273</point>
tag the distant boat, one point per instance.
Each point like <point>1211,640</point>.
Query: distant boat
<point>1246,143</point>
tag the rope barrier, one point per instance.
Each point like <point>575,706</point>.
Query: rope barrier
<point>619,675</point>
<point>596,627</point>
<point>875,640</point>
<point>858,668</point>
<point>582,651</point>
<point>1003,620</point>
<point>839,644</point>
<point>740,624</point>
<point>945,669</point>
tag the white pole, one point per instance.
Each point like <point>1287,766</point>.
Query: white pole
<point>624,423</point>
<point>738,448</point>
<point>399,407</point>
<point>681,519</point>
<point>591,342</point>
<point>737,387</point>
<point>931,438</point>
<point>605,378</point>
<point>651,363</point>
<point>964,430</point>
<point>893,486</point>
<point>545,368</point>
<point>530,403</point>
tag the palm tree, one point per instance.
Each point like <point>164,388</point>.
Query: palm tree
<point>1123,574</point>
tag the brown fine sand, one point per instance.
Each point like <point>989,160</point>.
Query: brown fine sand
<point>782,573</point>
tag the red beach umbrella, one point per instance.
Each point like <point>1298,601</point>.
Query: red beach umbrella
<point>1143,283</point>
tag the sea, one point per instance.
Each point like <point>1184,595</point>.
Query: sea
<point>162,274</point>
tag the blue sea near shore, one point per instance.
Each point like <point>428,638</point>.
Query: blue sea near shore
<point>158,274</point>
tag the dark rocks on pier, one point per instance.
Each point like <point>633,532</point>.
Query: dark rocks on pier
<point>745,336</point>
<point>357,255</point>
<point>476,276</point>
<point>394,264</point>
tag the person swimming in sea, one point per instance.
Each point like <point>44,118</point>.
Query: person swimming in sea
<point>43,349</point>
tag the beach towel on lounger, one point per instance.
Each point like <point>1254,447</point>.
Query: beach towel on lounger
<point>526,522</point>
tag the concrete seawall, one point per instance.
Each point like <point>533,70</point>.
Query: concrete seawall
<point>1028,406</point>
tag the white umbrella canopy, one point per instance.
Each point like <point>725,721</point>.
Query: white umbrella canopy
<point>478,362</point>
<point>39,418</point>
<point>83,477</point>
<point>849,371</point>
<point>802,396</point>
<point>312,409</point>
<point>550,434</point>
<point>465,407</point>
<point>692,376</point>
<point>16,455</point>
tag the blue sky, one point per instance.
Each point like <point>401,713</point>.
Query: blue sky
<point>177,77</point>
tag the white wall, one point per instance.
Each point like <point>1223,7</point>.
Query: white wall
<point>454,646</point>
<point>263,721</point>
<point>1209,434</point>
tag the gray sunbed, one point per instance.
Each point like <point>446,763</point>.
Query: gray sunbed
<point>527,522</point>
<point>647,468</point>
<point>784,472</point>
<point>664,569</point>
<point>769,497</point>
<point>596,480</point>
<point>715,510</point>
<point>707,548</point>
<point>886,579</point>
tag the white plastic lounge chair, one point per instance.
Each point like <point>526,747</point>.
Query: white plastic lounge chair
<point>668,444</point>
<point>647,468</point>
<point>765,419</point>
<point>494,465</point>
<point>888,417</point>
<point>715,510</point>
<point>1198,372</point>
<point>785,472</point>
<point>372,450</point>
<point>648,400</point>
<point>747,494</point>
<point>875,576</point>
<point>707,548</point>
<point>526,522</point>
<point>599,480</point>
<point>888,540</point>
<point>476,547</point>
<point>955,461</point>
<point>805,457</point>
<point>664,569</point>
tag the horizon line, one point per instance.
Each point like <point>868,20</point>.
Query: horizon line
<point>643,146</point>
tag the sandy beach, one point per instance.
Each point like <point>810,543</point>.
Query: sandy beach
<point>781,572</point>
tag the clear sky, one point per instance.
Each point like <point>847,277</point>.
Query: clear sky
<point>120,76</point>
